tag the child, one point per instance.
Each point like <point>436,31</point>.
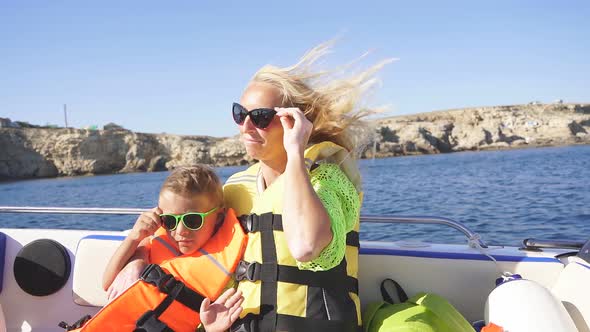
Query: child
<point>189,213</point>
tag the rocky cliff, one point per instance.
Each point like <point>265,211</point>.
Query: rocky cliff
<point>49,152</point>
<point>34,152</point>
<point>482,128</point>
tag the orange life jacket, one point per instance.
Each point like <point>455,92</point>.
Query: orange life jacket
<point>168,297</point>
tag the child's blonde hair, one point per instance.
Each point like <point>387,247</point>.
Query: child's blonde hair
<point>194,180</point>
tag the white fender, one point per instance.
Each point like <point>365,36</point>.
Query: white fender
<point>522,305</point>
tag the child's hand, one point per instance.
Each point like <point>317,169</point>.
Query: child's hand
<point>146,225</point>
<point>126,277</point>
<point>220,315</point>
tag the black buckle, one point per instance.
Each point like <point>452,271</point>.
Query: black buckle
<point>148,322</point>
<point>78,324</point>
<point>247,222</point>
<point>153,274</point>
<point>246,324</point>
<point>246,270</point>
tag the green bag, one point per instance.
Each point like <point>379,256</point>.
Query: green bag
<point>424,312</point>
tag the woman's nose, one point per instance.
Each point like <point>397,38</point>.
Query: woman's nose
<point>248,125</point>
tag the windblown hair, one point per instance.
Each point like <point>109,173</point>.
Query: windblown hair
<point>194,180</point>
<point>329,101</point>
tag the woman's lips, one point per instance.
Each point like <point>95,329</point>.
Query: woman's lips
<point>250,140</point>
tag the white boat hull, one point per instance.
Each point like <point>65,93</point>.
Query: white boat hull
<point>461,274</point>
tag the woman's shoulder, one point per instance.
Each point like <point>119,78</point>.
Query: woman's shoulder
<point>247,175</point>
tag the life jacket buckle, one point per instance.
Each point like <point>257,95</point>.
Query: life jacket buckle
<point>155,275</point>
<point>247,222</point>
<point>246,270</point>
<point>78,324</point>
<point>148,322</point>
<point>246,324</point>
<point>152,274</point>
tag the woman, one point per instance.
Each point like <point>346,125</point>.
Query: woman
<point>302,198</point>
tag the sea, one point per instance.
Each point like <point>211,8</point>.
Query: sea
<point>504,196</point>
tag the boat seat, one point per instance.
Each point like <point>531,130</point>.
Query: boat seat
<point>92,256</point>
<point>2,257</point>
<point>573,289</point>
<point>2,320</point>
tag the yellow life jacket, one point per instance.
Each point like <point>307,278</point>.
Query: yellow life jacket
<point>168,296</point>
<point>278,296</point>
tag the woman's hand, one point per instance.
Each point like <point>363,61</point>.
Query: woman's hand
<point>221,314</point>
<point>146,224</point>
<point>128,275</point>
<point>297,129</point>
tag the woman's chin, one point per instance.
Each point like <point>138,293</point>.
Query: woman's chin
<point>253,150</point>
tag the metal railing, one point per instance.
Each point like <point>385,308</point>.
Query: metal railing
<point>383,219</point>
<point>390,219</point>
<point>69,210</point>
<point>537,244</point>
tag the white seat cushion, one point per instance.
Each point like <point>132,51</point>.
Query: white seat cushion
<point>573,289</point>
<point>92,256</point>
<point>2,320</point>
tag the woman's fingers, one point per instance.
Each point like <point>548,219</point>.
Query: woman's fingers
<point>286,122</point>
<point>296,119</point>
<point>292,113</point>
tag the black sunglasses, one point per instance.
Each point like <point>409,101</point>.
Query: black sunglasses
<point>261,117</point>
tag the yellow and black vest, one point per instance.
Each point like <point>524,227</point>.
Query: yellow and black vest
<point>278,296</point>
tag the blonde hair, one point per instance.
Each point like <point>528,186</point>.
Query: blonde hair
<point>329,102</point>
<point>194,180</point>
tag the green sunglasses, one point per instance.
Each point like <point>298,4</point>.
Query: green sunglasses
<point>191,220</point>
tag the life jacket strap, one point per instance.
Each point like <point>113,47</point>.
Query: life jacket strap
<point>352,239</point>
<point>246,324</point>
<point>253,223</point>
<point>149,322</point>
<point>78,324</point>
<point>166,283</point>
<point>271,272</point>
<point>250,323</point>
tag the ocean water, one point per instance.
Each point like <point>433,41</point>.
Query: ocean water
<point>505,196</point>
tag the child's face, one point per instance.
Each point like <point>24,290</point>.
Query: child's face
<point>188,241</point>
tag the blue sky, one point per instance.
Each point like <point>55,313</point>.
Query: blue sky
<point>177,66</point>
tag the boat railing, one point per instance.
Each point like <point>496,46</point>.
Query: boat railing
<point>538,244</point>
<point>472,237</point>
<point>70,210</point>
<point>384,219</point>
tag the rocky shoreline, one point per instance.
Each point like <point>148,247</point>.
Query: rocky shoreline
<point>51,152</point>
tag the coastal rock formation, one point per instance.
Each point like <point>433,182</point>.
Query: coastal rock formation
<point>33,152</point>
<point>482,128</point>
<point>49,152</point>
